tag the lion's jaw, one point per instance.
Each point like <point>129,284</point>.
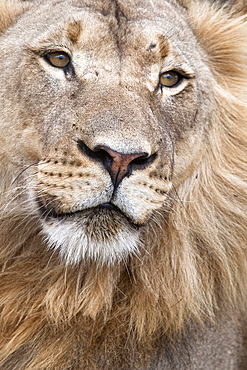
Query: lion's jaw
<point>99,235</point>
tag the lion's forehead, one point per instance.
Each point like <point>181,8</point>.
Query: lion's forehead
<point>124,11</point>
<point>107,27</point>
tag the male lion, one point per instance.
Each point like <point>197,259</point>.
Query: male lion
<point>123,184</point>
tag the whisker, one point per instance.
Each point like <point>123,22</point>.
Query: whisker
<point>25,169</point>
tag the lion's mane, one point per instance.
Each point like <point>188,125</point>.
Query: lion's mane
<point>192,265</point>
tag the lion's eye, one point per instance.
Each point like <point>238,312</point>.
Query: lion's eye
<point>58,59</point>
<point>170,78</point>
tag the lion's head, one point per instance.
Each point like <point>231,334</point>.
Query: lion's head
<point>123,158</point>
<point>117,122</point>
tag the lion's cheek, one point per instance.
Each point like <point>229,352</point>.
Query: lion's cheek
<point>188,156</point>
<point>138,197</point>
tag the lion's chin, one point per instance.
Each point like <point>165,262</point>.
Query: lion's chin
<point>103,235</point>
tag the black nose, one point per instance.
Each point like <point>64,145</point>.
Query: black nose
<point>117,164</point>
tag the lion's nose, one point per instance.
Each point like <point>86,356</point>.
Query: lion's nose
<point>120,165</point>
<point>117,164</point>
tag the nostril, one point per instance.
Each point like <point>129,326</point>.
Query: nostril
<point>97,154</point>
<point>84,148</point>
<point>101,155</point>
<point>143,161</point>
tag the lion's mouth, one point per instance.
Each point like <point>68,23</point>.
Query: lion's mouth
<point>110,206</point>
<point>102,211</point>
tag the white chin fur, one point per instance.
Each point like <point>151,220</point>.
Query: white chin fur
<point>75,244</point>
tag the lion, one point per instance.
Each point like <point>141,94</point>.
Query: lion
<point>123,184</point>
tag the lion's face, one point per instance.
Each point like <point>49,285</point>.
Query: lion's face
<point>112,116</point>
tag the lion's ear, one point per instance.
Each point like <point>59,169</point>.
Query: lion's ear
<point>9,12</point>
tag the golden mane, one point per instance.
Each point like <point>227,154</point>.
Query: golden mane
<point>193,263</point>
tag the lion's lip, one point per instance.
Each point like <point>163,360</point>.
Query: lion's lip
<point>48,213</point>
<point>109,205</point>
<point>108,208</point>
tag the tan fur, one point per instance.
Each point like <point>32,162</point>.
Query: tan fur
<point>183,273</point>
<point>9,11</point>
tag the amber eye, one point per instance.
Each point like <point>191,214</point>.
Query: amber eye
<point>170,78</point>
<point>58,59</point>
